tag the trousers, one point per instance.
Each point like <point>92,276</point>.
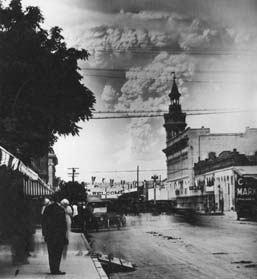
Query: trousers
<point>55,249</point>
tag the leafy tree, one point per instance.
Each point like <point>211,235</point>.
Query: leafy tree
<point>41,94</point>
<point>73,191</point>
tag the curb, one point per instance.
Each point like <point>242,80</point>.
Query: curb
<point>99,268</point>
<point>97,264</point>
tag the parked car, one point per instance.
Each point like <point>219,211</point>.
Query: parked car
<point>101,215</point>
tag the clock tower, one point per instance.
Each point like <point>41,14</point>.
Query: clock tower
<point>175,119</point>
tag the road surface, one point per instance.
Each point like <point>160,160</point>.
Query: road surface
<point>168,246</point>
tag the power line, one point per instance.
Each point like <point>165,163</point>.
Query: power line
<point>219,71</point>
<point>124,171</point>
<point>168,79</point>
<point>161,114</point>
<point>176,51</point>
<point>164,111</point>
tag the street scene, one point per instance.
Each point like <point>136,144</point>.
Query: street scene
<point>168,246</point>
<point>128,139</point>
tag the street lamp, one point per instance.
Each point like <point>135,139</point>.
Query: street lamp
<point>154,177</point>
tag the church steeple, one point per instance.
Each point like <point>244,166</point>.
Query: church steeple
<point>175,119</point>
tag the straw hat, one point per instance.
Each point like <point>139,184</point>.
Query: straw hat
<point>65,202</point>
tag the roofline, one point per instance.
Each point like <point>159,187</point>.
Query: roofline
<point>233,168</point>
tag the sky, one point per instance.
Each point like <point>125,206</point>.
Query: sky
<point>134,47</point>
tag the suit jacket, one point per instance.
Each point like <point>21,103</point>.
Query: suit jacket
<point>54,224</point>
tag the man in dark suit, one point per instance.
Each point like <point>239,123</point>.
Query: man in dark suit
<point>54,227</point>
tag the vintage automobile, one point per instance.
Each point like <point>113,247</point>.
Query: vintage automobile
<point>101,214</point>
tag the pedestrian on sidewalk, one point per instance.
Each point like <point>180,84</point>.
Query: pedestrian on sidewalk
<point>46,202</point>
<point>68,214</point>
<point>55,228</point>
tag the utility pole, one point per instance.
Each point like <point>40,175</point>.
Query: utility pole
<point>73,173</point>
<point>154,177</point>
<point>137,176</point>
<point>137,182</point>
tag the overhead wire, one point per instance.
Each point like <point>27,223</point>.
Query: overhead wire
<point>148,115</point>
<point>164,111</point>
<point>154,50</point>
<point>166,79</point>
<point>124,171</point>
<point>134,69</point>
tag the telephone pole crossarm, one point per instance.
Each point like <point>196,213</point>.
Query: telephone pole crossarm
<point>74,173</point>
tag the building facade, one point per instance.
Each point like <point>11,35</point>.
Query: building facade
<point>45,167</point>
<point>51,163</point>
<point>186,146</point>
<point>216,179</point>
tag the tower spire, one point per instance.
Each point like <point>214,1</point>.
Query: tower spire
<point>174,76</point>
<point>175,118</point>
<point>174,94</point>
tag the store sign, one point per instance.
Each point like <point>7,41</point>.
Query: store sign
<point>194,188</point>
<point>246,188</point>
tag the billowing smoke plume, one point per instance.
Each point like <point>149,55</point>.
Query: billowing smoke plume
<point>110,96</point>
<point>151,52</point>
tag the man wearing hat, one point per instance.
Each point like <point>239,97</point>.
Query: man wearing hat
<point>55,229</point>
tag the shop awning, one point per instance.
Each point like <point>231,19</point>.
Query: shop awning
<point>33,185</point>
<point>10,161</point>
<point>36,188</point>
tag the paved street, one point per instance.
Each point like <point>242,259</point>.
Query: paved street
<point>170,247</point>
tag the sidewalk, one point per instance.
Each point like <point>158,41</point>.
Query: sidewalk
<point>77,265</point>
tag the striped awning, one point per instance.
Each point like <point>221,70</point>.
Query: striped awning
<point>10,161</point>
<point>33,185</point>
<point>36,188</point>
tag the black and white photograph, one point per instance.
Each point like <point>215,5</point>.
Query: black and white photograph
<point>128,139</point>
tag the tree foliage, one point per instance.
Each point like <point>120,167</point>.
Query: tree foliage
<point>41,93</point>
<point>73,191</point>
